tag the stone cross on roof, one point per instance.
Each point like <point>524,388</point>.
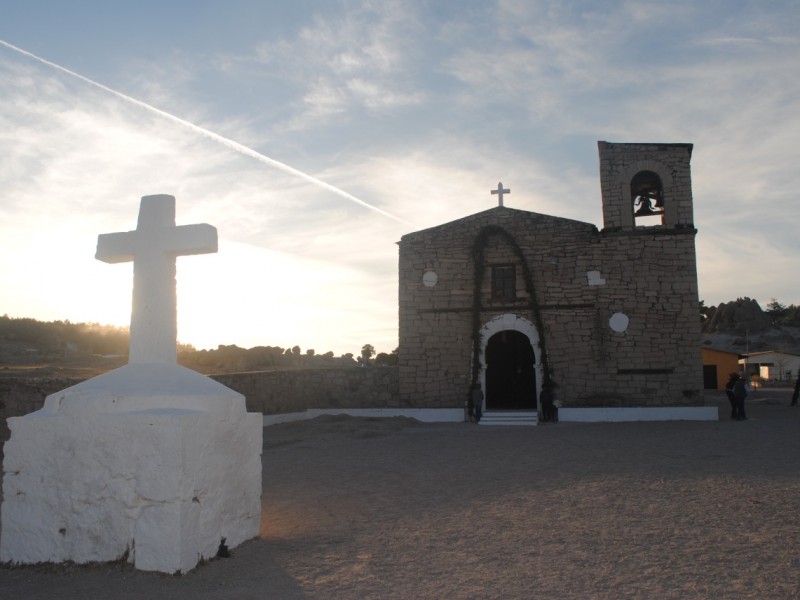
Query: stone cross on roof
<point>153,248</point>
<point>499,192</point>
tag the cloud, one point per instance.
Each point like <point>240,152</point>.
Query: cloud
<point>81,162</point>
<point>341,63</point>
<point>417,109</point>
<point>323,100</point>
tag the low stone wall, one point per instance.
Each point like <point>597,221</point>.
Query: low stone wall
<point>275,392</point>
<point>267,392</point>
<point>22,395</point>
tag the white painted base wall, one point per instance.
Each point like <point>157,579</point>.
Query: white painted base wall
<point>104,472</point>
<point>456,415</point>
<point>426,415</point>
<point>616,415</point>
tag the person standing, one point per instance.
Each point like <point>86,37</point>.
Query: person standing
<point>732,379</point>
<point>796,391</point>
<point>475,404</point>
<point>739,394</point>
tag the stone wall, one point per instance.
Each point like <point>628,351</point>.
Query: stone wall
<point>620,162</point>
<point>268,392</point>
<point>276,392</point>
<point>437,321</point>
<point>658,356</point>
<point>580,277</point>
<point>648,275</point>
<point>22,395</point>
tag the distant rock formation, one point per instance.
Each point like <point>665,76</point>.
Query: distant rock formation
<point>742,316</point>
<point>742,327</point>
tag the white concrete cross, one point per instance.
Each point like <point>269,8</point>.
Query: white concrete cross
<point>153,248</point>
<point>499,192</point>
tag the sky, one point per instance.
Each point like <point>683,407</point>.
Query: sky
<point>314,134</point>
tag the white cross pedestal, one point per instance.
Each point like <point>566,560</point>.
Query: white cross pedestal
<point>152,462</point>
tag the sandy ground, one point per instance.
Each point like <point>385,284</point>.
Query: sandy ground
<point>392,508</point>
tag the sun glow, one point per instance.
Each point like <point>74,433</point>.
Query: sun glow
<point>275,299</point>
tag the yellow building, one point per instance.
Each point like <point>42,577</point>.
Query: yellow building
<point>717,366</point>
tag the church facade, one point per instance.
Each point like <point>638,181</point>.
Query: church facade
<point>524,307</point>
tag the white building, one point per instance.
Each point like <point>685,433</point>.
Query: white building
<point>772,365</point>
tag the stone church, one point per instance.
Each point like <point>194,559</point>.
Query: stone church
<point>505,308</point>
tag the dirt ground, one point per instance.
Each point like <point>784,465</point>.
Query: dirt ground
<point>392,508</point>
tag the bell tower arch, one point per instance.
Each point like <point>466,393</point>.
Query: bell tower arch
<point>646,185</point>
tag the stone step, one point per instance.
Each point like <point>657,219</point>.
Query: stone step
<point>510,417</point>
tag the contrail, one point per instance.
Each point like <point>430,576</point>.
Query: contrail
<point>229,143</point>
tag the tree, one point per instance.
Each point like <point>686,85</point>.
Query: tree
<point>792,316</point>
<point>388,360</point>
<point>367,352</point>
<point>703,311</point>
<point>776,311</point>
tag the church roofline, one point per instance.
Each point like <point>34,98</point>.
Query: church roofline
<point>495,209</point>
<point>660,146</point>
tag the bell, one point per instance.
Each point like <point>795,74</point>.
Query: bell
<point>644,210</point>
<point>645,207</point>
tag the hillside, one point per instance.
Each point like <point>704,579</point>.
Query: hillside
<point>31,347</point>
<point>742,326</point>
<point>37,348</point>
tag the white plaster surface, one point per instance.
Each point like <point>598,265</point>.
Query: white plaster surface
<point>153,248</point>
<point>430,279</point>
<point>644,413</point>
<point>139,387</point>
<point>424,415</point>
<point>456,415</point>
<point>594,278</point>
<point>619,322</point>
<point>152,461</point>
<point>162,484</point>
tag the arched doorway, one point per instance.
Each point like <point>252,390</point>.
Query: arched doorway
<point>510,374</point>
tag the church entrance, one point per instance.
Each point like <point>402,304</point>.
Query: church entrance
<point>510,372</point>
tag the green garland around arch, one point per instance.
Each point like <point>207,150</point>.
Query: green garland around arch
<point>478,258</point>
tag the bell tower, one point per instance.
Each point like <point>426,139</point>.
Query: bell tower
<point>646,185</point>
